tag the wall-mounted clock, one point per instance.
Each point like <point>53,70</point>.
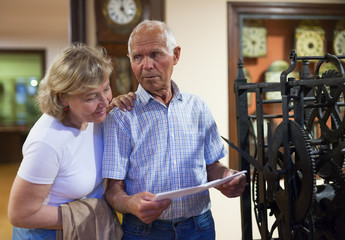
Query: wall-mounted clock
<point>309,39</point>
<point>254,39</point>
<point>122,15</point>
<point>339,38</point>
<point>339,42</point>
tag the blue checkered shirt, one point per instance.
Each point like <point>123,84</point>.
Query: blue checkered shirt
<point>157,148</point>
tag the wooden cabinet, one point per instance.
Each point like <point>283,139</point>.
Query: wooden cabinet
<point>114,37</point>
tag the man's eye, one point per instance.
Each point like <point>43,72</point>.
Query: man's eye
<point>156,55</point>
<point>137,57</point>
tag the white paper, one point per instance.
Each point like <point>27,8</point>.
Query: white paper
<point>191,190</point>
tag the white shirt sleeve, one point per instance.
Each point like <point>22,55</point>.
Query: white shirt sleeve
<point>40,163</point>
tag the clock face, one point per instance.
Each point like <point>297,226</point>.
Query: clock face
<point>309,43</point>
<point>122,11</point>
<point>254,41</point>
<point>339,43</point>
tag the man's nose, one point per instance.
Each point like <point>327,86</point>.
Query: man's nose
<point>148,63</point>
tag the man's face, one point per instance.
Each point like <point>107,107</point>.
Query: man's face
<point>151,61</point>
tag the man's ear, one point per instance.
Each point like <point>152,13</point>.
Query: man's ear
<point>177,52</point>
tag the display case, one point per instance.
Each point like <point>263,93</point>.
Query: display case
<point>20,73</point>
<point>260,39</point>
<point>263,34</point>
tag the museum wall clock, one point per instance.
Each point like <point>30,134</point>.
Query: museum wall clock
<point>339,38</point>
<point>254,38</point>
<point>115,20</point>
<point>309,39</point>
<point>122,15</point>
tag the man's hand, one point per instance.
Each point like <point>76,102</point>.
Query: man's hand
<point>235,187</point>
<point>145,207</point>
<point>124,102</point>
<point>142,205</point>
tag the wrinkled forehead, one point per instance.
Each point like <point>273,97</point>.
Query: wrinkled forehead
<point>147,38</point>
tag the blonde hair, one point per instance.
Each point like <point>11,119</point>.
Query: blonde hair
<point>77,69</point>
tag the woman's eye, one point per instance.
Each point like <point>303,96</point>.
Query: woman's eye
<point>90,99</point>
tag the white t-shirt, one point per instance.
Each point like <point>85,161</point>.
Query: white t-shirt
<point>67,158</point>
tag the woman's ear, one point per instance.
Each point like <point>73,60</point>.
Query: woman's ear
<point>63,99</point>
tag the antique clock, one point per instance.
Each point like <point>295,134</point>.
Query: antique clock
<point>309,39</point>
<point>115,19</point>
<point>339,38</point>
<point>122,15</point>
<point>339,42</point>
<point>254,38</point>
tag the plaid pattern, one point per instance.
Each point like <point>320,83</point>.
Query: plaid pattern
<point>158,148</point>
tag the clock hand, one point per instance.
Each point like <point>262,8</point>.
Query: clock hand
<point>122,9</point>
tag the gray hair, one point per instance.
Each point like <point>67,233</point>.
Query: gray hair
<point>152,24</point>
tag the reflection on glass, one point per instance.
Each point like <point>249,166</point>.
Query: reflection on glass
<point>20,73</point>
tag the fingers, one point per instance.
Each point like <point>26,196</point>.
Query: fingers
<point>124,102</point>
<point>234,188</point>
<point>146,208</point>
<point>132,95</point>
<point>155,211</point>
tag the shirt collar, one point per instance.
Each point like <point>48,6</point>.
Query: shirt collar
<point>145,96</point>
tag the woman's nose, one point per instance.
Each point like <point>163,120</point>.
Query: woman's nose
<point>105,100</point>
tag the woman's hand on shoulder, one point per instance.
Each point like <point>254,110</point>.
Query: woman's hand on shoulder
<point>124,102</point>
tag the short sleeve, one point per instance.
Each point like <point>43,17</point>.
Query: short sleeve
<point>40,163</point>
<point>117,145</point>
<point>214,146</point>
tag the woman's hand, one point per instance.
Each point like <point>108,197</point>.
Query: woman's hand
<point>124,102</point>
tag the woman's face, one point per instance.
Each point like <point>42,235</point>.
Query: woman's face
<point>90,106</point>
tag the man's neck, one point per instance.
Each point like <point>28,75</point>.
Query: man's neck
<point>164,96</point>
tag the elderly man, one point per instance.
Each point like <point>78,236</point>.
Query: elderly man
<point>168,141</point>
